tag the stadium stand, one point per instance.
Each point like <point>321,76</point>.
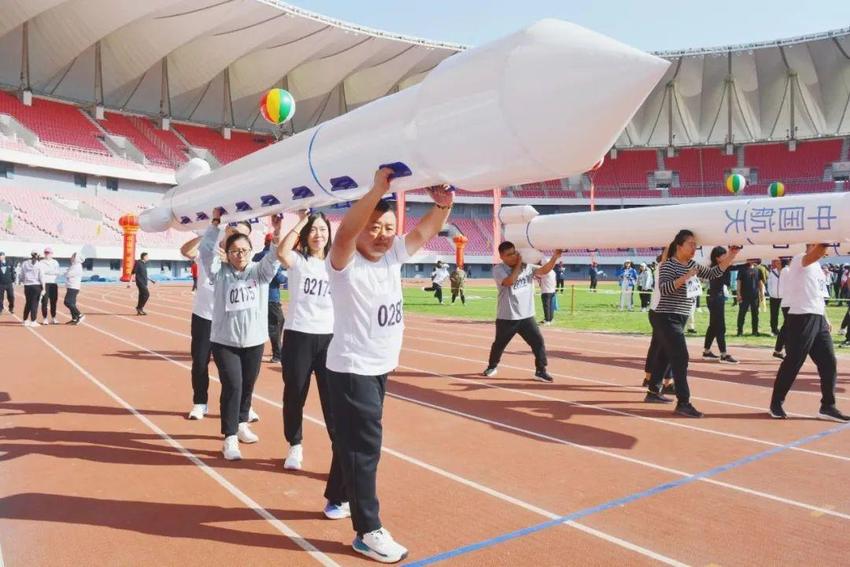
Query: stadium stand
<point>240,144</point>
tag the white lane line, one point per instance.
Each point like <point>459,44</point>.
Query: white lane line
<point>503,365</point>
<point>226,484</point>
<point>610,454</point>
<point>661,421</point>
<point>412,460</point>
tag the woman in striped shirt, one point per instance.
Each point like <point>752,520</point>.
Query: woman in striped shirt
<point>678,286</point>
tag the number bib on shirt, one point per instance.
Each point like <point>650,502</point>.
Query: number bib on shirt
<point>693,288</point>
<point>242,294</point>
<point>386,318</point>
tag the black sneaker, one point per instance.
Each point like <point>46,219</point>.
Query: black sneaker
<point>708,355</point>
<point>692,331</point>
<point>688,410</point>
<point>543,376</point>
<point>728,359</point>
<point>779,355</point>
<point>669,389</point>
<point>654,398</point>
<point>776,411</point>
<point>491,371</point>
<point>831,413</point>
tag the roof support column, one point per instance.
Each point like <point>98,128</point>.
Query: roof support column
<point>164,97</point>
<point>227,107</point>
<point>98,83</point>
<point>25,88</point>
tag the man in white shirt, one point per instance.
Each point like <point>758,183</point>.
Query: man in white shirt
<point>50,270</point>
<point>784,280</point>
<point>807,334</point>
<point>364,270</point>
<point>773,291</point>
<point>438,280</point>
<point>548,284</point>
<point>515,311</point>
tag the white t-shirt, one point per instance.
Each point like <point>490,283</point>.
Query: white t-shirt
<point>440,276</point>
<point>804,291</point>
<point>74,276</point>
<point>547,282</point>
<point>310,307</point>
<point>202,303</point>
<point>655,298</point>
<point>784,281</point>
<point>773,283</point>
<point>368,313</point>
<point>517,301</point>
<point>50,270</point>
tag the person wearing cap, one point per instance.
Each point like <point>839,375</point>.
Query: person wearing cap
<point>276,318</point>
<point>32,280</point>
<point>73,279</point>
<point>7,283</point>
<point>50,271</point>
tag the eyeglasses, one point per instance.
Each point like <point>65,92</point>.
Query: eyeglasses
<point>239,251</point>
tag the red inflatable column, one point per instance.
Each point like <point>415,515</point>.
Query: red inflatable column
<point>460,243</point>
<point>130,225</point>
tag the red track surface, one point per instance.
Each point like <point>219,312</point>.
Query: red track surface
<point>100,466</point>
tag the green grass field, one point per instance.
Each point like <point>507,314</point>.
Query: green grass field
<point>591,312</point>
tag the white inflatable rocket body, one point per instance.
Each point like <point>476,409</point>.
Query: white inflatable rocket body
<point>544,103</point>
<point>765,227</point>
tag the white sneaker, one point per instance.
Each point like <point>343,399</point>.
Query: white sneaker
<point>252,416</point>
<point>245,434</point>
<point>231,448</point>
<point>53,321</point>
<point>80,320</point>
<point>337,511</point>
<point>294,458</point>
<point>27,323</point>
<point>45,323</point>
<point>198,411</point>
<point>380,546</point>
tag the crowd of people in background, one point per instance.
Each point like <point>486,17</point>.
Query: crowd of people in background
<point>39,275</point>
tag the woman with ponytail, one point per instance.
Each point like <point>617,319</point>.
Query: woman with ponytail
<point>678,286</point>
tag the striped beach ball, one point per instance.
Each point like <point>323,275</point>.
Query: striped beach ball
<point>776,189</point>
<point>735,183</point>
<point>277,106</point>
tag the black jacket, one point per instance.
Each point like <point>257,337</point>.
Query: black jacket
<point>7,275</point>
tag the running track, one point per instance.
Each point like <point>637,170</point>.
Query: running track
<point>98,464</point>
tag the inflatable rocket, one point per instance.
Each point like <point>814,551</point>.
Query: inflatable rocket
<point>765,227</point>
<point>544,103</point>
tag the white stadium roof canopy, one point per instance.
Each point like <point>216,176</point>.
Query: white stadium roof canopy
<point>210,61</point>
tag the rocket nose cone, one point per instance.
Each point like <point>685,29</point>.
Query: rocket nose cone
<point>594,86</point>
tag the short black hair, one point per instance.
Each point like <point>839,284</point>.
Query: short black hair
<point>384,206</point>
<point>505,246</point>
<point>144,255</point>
<point>233,238</point>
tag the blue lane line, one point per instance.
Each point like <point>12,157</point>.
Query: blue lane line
<point>625,499</point>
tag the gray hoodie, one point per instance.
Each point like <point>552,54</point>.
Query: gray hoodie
<point>241,304</point>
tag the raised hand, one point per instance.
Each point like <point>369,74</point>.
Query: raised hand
<point>442,195</point>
